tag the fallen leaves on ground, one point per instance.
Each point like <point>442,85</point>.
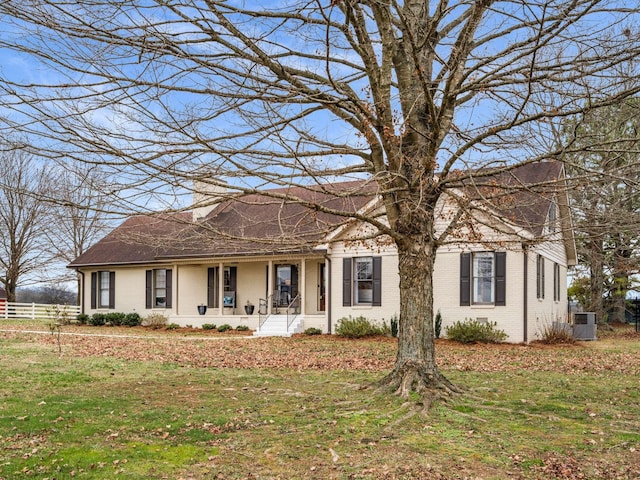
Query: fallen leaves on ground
<point>328,352</point>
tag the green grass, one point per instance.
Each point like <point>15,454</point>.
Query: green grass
<point>63,417</point>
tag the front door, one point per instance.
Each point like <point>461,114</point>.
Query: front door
<point>286,284</point>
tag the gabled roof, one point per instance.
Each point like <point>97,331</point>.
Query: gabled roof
<point>280,221</point>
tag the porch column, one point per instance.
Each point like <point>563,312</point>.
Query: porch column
<point>269,286</point>
<point>302,282</point>
<point>220,288</point>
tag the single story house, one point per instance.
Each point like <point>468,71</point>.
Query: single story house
<point>300,267</point>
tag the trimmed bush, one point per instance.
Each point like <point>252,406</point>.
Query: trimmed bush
<point>359,327</point>
<point>172,326</point>
<point>132,319</point>
<point>155,320</point>
<point>98,319</point>
<point>208,326</point>
<point>115,319</point>
<point>224,328</point>
<point>313,331</point>
<point>82,319</point>
<point>471,331</point>
<point>242,328</point>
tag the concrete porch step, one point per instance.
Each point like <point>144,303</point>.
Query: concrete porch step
<point>276,326</point>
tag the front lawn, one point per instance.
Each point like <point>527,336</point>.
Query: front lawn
<point>174,406</point>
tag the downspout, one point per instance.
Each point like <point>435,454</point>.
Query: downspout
<point>327,293</point>
<point>525,303</point>
<point>81,290</point>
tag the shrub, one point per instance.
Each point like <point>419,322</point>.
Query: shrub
<point>556,332</point>
<point>97,319</point>
<point>242,328</point>
<point>155,320</point>
<point>208,326</point>
<point>359,327</point>
<point>132,319</point>
<point>114,318</point>
<point>437,326</point>
<point>172,326</point>
<point>224,328</point>
<point>472,331</point>
<point>312,331</point>
<point>394,326</point>
<point>82,319</point>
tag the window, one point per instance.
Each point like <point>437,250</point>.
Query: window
<point>103,289</point>
<point>362,281</point>
<point>540,277</point>
<point>158,288</point>
<point>483,278</point>
<point>556,282</point>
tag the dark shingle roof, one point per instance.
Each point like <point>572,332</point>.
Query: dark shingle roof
<point>282,220</point>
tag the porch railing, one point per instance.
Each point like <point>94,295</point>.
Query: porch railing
<point>295,305</point>
<point>263,310</point>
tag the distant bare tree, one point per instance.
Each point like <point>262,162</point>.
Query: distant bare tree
<point>23,247</point>
<point>606,201</point>
<point>79,210</point>
<point>237,95</point>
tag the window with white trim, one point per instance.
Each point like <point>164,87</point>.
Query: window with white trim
<point>483,278</point>
<point>363,280</point>
<point>104,289</point>
<point>160,288</point>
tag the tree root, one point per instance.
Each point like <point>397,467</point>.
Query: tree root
<point>415,378</point>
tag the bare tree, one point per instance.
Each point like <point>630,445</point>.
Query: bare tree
<point>79,208</point>
<point>607,206</point>
<point>167,93</point>
<point>23,248</point>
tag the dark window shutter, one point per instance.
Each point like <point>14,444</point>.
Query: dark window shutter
<point>169,303</point>
<point>212,287</point>
<point>501,277</point>
<point>94,290</point>
<point>346,282</point>
<point>294,281</point>
<point>377,281</point>
<point>542,280</point>
<point>465,279</point>
<point>112,289</point>
<point>148,297</point>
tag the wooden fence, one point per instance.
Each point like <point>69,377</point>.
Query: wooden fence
<point>38,311</point>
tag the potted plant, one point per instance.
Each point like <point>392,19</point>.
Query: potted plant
<point>248,308</point>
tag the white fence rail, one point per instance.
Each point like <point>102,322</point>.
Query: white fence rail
<point>38,311</point>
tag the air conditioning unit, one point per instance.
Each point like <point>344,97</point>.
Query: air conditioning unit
<point>584,326</point>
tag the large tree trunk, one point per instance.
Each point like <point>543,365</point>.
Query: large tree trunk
<point>415,368</point>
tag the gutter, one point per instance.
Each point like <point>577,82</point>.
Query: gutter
<point>81,290</point>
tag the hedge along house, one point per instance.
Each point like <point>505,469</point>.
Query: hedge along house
<point>299,267</point>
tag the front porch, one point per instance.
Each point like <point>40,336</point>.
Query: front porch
<point>261,294</point>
